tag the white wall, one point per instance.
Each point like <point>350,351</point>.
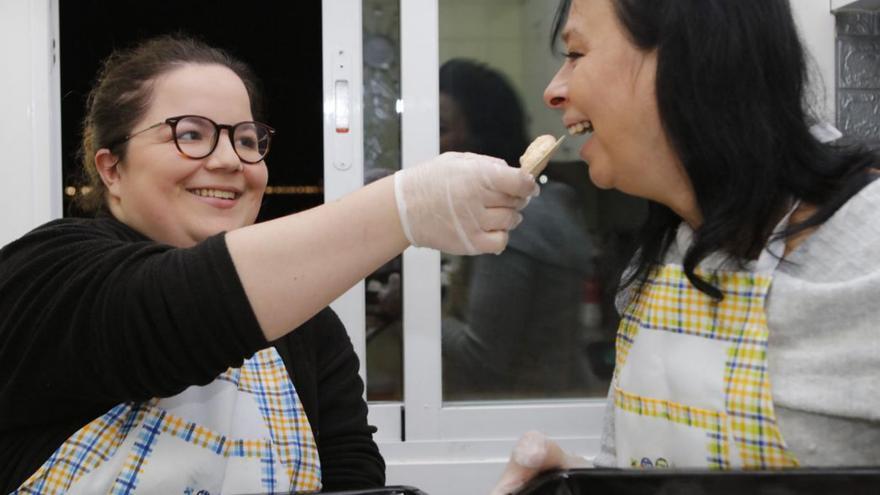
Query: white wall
<point>816,24</point>
<point>485,30</point>
<point>30,135</point>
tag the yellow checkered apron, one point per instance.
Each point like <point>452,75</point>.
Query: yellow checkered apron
<point>246,432</point>
<point>691,387</point>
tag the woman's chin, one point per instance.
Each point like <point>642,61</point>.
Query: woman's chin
<point>600,179</point>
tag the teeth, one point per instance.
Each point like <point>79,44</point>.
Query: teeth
<point>214,193</point>
<point>581,128</point>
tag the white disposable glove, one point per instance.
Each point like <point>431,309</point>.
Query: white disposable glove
<point>462,203</point>
<point>533,454</point>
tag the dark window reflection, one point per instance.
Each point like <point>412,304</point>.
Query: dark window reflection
<point>288,61</point>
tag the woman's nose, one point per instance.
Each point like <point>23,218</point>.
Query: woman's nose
<point>224,155</point>
<point>556,93</point>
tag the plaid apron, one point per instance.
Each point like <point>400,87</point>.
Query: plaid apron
<point>246,432</point>
<point>691,387</point>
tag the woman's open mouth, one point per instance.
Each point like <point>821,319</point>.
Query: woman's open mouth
<point>580,128</point>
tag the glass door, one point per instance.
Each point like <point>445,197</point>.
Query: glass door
<point>460,314</point>
<point>463,355</point>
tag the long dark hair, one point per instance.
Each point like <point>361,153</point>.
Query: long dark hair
<point>123,91</point>
<point>731,83</point>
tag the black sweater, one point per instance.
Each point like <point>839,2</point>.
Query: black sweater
<point>93,314</point>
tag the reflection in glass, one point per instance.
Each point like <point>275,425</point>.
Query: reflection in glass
<point>511,326</point>
<point>537,321</point>
<point>384,305</point>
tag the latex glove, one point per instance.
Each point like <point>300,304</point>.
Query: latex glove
<point>462,203</point>
<point>533,454</point>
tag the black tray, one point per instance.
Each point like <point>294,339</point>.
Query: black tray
<point>388,490</point>
<point>844,481</point>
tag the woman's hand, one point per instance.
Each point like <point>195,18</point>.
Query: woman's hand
<point>533,454</point>
<point>462,203</point>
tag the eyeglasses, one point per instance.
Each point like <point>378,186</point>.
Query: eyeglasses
<point>196,137</point>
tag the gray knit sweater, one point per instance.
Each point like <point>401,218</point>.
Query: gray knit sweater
<point>823,313</point>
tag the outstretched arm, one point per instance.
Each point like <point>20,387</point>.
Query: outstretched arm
<point>459,203</point>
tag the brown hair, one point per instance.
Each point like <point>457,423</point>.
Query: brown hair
<point>123,91</point>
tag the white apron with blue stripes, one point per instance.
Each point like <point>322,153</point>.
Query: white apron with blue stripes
<point>246,432</point>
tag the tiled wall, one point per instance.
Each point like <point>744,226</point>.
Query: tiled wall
<point>858,76</point>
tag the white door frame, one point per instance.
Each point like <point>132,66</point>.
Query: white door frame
<point>30,116</point>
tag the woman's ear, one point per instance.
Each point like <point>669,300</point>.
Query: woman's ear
<point>107,165</point>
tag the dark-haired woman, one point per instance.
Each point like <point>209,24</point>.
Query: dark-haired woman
<point>750,334</point>
<point>152,349</point>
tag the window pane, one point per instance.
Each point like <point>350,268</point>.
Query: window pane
<point>537,321</point>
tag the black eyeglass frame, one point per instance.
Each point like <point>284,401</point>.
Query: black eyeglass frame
<point>230,132</point>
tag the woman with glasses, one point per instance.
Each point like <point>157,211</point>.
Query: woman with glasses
<point>749,333</point>
<point>170,346</point>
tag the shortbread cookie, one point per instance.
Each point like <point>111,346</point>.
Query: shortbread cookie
<point>538,154</point>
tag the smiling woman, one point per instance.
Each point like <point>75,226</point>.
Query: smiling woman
<point>179,348</point>
<point>91,29</point>
<point>607,85</point>
<point>160,183</point>
<point>744,313</point>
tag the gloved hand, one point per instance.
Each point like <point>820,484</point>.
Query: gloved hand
<point>533,454</point>
<point>462,203</point>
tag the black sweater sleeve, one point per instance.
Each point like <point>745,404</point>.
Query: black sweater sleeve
<point>324,368</point>
<point>93,314</point>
